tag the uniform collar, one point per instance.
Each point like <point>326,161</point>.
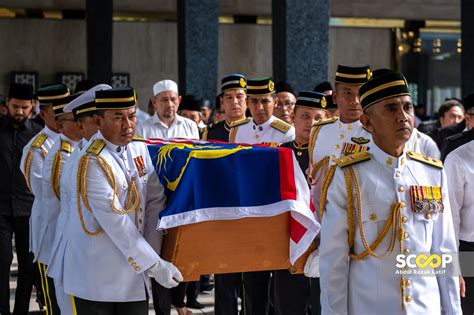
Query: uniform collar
<point>350,126</point>
<point>49,132</point>
<point>264,125</point>
<point>110,146</point>
<point>387,159</point>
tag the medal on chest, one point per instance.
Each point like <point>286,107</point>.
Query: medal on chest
<point>426,199</point>
<point>140,164</point>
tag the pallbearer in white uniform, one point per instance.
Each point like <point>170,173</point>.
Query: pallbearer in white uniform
<point>112,240</point>
<point>383,205</point>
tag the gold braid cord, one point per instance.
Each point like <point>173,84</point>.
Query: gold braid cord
<point>56,174</point>
<point>28,160</point>
<point>324,191</point>
<point>393,222</point>
<point>312,144</point>
<point>81,183</point>
<point>132,202</point>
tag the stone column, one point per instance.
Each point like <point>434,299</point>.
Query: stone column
<point>198,22</point>
<point>467,36</point>
<point>300,38</point>
<point>99,40</point>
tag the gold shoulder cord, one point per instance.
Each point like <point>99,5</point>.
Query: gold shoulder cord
<point>132,202</point>
<point>56,173</point>
<point>394,221</point>
<point>324,191</point>
<point>233,133</point>
<point>28,160</point>
<point>312,144</point>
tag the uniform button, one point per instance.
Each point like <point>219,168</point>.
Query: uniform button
<point>373,217</point>
<point>402,161</point>
<point>124,186</point>
<point>130,259</point>
<point>128,170</point>
<point>428,216</point>
<point>333,157</point>
<point>408,298</point>
<point>407,283</point>
<point>405,235</point>
<point>137,268</point>
<point>341,136</point>
<point>404,219</point>
<point>398,174</point>
<point>402,204</point>
<point>406,251</point>
<point>401,189</point>
<point>337,146</point>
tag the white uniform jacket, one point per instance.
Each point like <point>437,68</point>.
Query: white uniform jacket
<point>50,194</point>
<point>106,252</point>
<point>273,131</point>
<point>371,285</point>
<point>32,167</point>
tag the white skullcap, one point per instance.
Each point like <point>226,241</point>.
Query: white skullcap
<point>165,85</point>
<point>86,98</point>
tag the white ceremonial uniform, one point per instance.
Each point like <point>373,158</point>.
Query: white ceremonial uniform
<point>371,285</point>
<point>55,264</point>
<point>459,165</point>
<point>274,131</point>
<point>32,167</point>
<point>181,127</point>
<point>422,143</point>
<point>106,252</point>
<point>333,140</point>
<point>50,203</point>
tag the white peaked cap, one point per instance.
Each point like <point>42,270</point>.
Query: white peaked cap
<point>86,97</point>
<point>165,85</point>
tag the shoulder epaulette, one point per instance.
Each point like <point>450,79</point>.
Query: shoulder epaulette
<point>325,121</point>
<point>39,140</point>
<point>352,159</point>
<point>280,125</point>
<point>66,146</point>
<point>425,159</point>
<point>138,138</point>
<point>96,146</point>
<point>240,122</point>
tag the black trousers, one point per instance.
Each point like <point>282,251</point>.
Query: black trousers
<point>315,300</point>
<point>161,298</point>
<point>86,307</point>
<point>49,292</point>
<point>18,226</point>
<point>467,303</point>
<point>256,292</point>
<point>226,294</point>
<point>291,293</point>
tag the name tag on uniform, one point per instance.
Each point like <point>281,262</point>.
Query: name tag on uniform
<point>426,199</point>
<point>140,164</point>
<point>350,148</point>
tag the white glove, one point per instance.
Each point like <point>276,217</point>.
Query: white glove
<point>311,267</point>
<point>165,273</point>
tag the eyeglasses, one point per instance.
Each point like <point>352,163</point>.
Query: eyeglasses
<point>285,105</point>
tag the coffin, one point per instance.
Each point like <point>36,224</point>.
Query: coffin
<point>226,246</point>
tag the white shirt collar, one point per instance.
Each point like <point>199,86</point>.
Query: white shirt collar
<point>350,126</point>
<point>177,120</point>
<point>117,149</point>
<point>265,124</point>
<point>49,132</point>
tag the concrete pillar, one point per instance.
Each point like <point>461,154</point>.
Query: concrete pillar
<point>467,36</point>
<point>99,40</point>
<point>198,22</point>
<point>300,38</point>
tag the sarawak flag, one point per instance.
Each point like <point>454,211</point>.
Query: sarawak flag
<point>225,181</point>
